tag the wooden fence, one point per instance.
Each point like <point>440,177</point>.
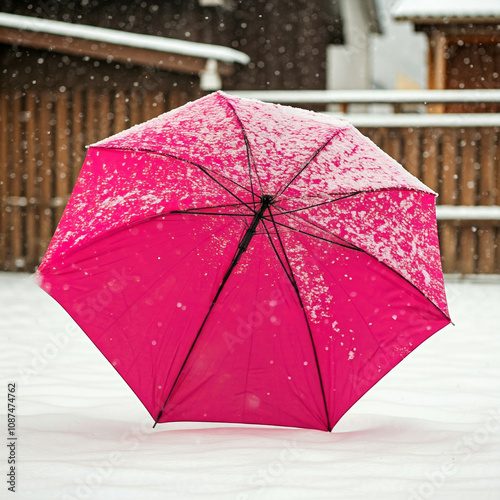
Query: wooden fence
<point>42,147</point>
<point>42,139</point>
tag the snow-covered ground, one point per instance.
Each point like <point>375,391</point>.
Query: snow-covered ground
<point>430,429</point>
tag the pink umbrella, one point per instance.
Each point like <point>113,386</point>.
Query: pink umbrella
<point>245,262</point>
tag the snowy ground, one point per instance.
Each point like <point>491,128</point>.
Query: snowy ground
<point>430,429</point>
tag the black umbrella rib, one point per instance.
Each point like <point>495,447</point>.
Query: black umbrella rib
<point>277,253</point>
<point>293,281</point>
<point>205,171</point>
<point>307,163</point>
<point>354,248</point>
<point>202,211</point>
<point>250,158</point>
<point>319,204</point>
<point>226,205</point>
<point>242,247</point>
<point>224,214</point>
<point>346,245</point>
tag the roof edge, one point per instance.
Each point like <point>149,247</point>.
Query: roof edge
<point>117,37</point>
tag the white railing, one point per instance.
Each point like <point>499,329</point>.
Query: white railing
<point>372,96</point>
<point>421,120</point>
<point>470,213</point>
<point>395,98</point>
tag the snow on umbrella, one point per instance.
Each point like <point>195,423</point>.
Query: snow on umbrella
<point>245,262</point>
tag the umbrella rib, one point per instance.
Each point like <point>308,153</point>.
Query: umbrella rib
<point>190,212</point>
<point>317,226</point>
<point>295,286</point>
<point>242,247</point>
<point>226,205</point>
<point>277,254</point>
<point>250,158</point>
<point>205,171</point>
<point>316,236</point>
<point>354,248</point>
<point>322,203</point>
<point>200,211</point>
<point>306,164</point>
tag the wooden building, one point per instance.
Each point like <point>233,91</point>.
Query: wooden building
<point>286,40</point>
<point>462,162</point>
<point>61,90</point>
<point>464,46</point>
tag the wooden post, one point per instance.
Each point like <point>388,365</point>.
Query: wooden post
<point>62,154</point>
<point>176,98</point>
<point>149,109</point>
<point>120,105</point>
<point>77,135</point>
<point>430,168</point>
<point>468,186</point>
<point>162,103</point>
<point>103,117</point>
<point>436,67</point>
<point>135,107</point>
<point>449,195</point>
<point>393,144</point>
<point>412,151</point>
<point>378,136</point>
<point>486,233</point>
<point>16,186</point>
<point>496,160</point>
<point>91,130</point>
<point>46,170</point>
<point>31,183</point>
<point>4,179</point>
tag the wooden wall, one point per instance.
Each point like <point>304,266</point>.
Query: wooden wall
<point>48,115</point>
<point>285,39</point>
<point>287,42</point>
<point>463,56</point>
<point>473,65</point>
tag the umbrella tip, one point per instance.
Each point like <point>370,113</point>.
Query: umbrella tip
<point>157,418</point>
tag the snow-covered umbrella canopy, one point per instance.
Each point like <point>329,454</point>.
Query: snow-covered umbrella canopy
<point>246,262</point>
